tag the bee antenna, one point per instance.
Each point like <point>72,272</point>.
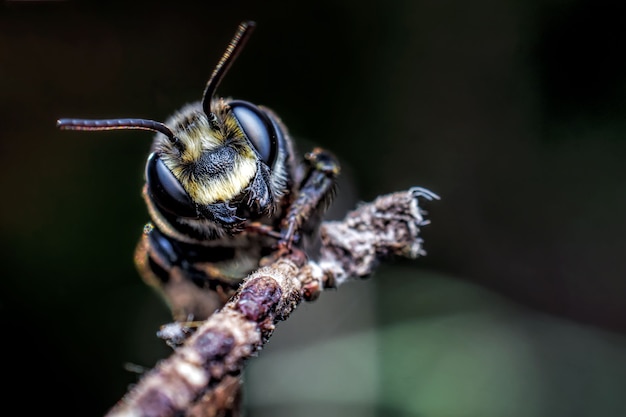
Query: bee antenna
<point>116,124</point>
<point>234,47</point>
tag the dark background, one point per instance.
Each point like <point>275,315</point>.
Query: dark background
<point>512,111</point>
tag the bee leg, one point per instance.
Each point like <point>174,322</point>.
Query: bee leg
<point>315,193</point>
<point>158,268</point>
<point>262,229</point>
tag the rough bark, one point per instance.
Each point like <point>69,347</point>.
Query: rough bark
<point>200,378</point>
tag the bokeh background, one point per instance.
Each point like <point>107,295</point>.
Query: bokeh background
<point>512,111</point>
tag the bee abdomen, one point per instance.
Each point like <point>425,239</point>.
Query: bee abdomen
<point>188,276</point>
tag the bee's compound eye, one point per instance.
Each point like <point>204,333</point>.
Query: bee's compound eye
<point>166,191</point>
<point>258,128</point>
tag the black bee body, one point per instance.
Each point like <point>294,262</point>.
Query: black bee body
<point>197,278</point>
<point>223,190</point>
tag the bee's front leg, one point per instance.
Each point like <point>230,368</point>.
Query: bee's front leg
<point>192,293</point>
<point>315,193</point>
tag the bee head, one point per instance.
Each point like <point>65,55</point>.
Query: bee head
<point>220,161</point>
<point>224,167</point>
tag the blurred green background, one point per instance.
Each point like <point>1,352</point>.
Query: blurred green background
<point>512,111</point>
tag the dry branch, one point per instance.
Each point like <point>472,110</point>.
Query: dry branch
<point>201,377</point>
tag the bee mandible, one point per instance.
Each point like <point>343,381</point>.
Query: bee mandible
<point>223,189</point>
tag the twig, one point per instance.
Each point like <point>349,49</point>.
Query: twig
<point>200,377</point>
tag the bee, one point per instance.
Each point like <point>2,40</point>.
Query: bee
<point>223,189</point>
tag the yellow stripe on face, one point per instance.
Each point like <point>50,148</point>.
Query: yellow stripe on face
<point>198,137</point>
<point>224,187</point>
<point>198,140</point>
